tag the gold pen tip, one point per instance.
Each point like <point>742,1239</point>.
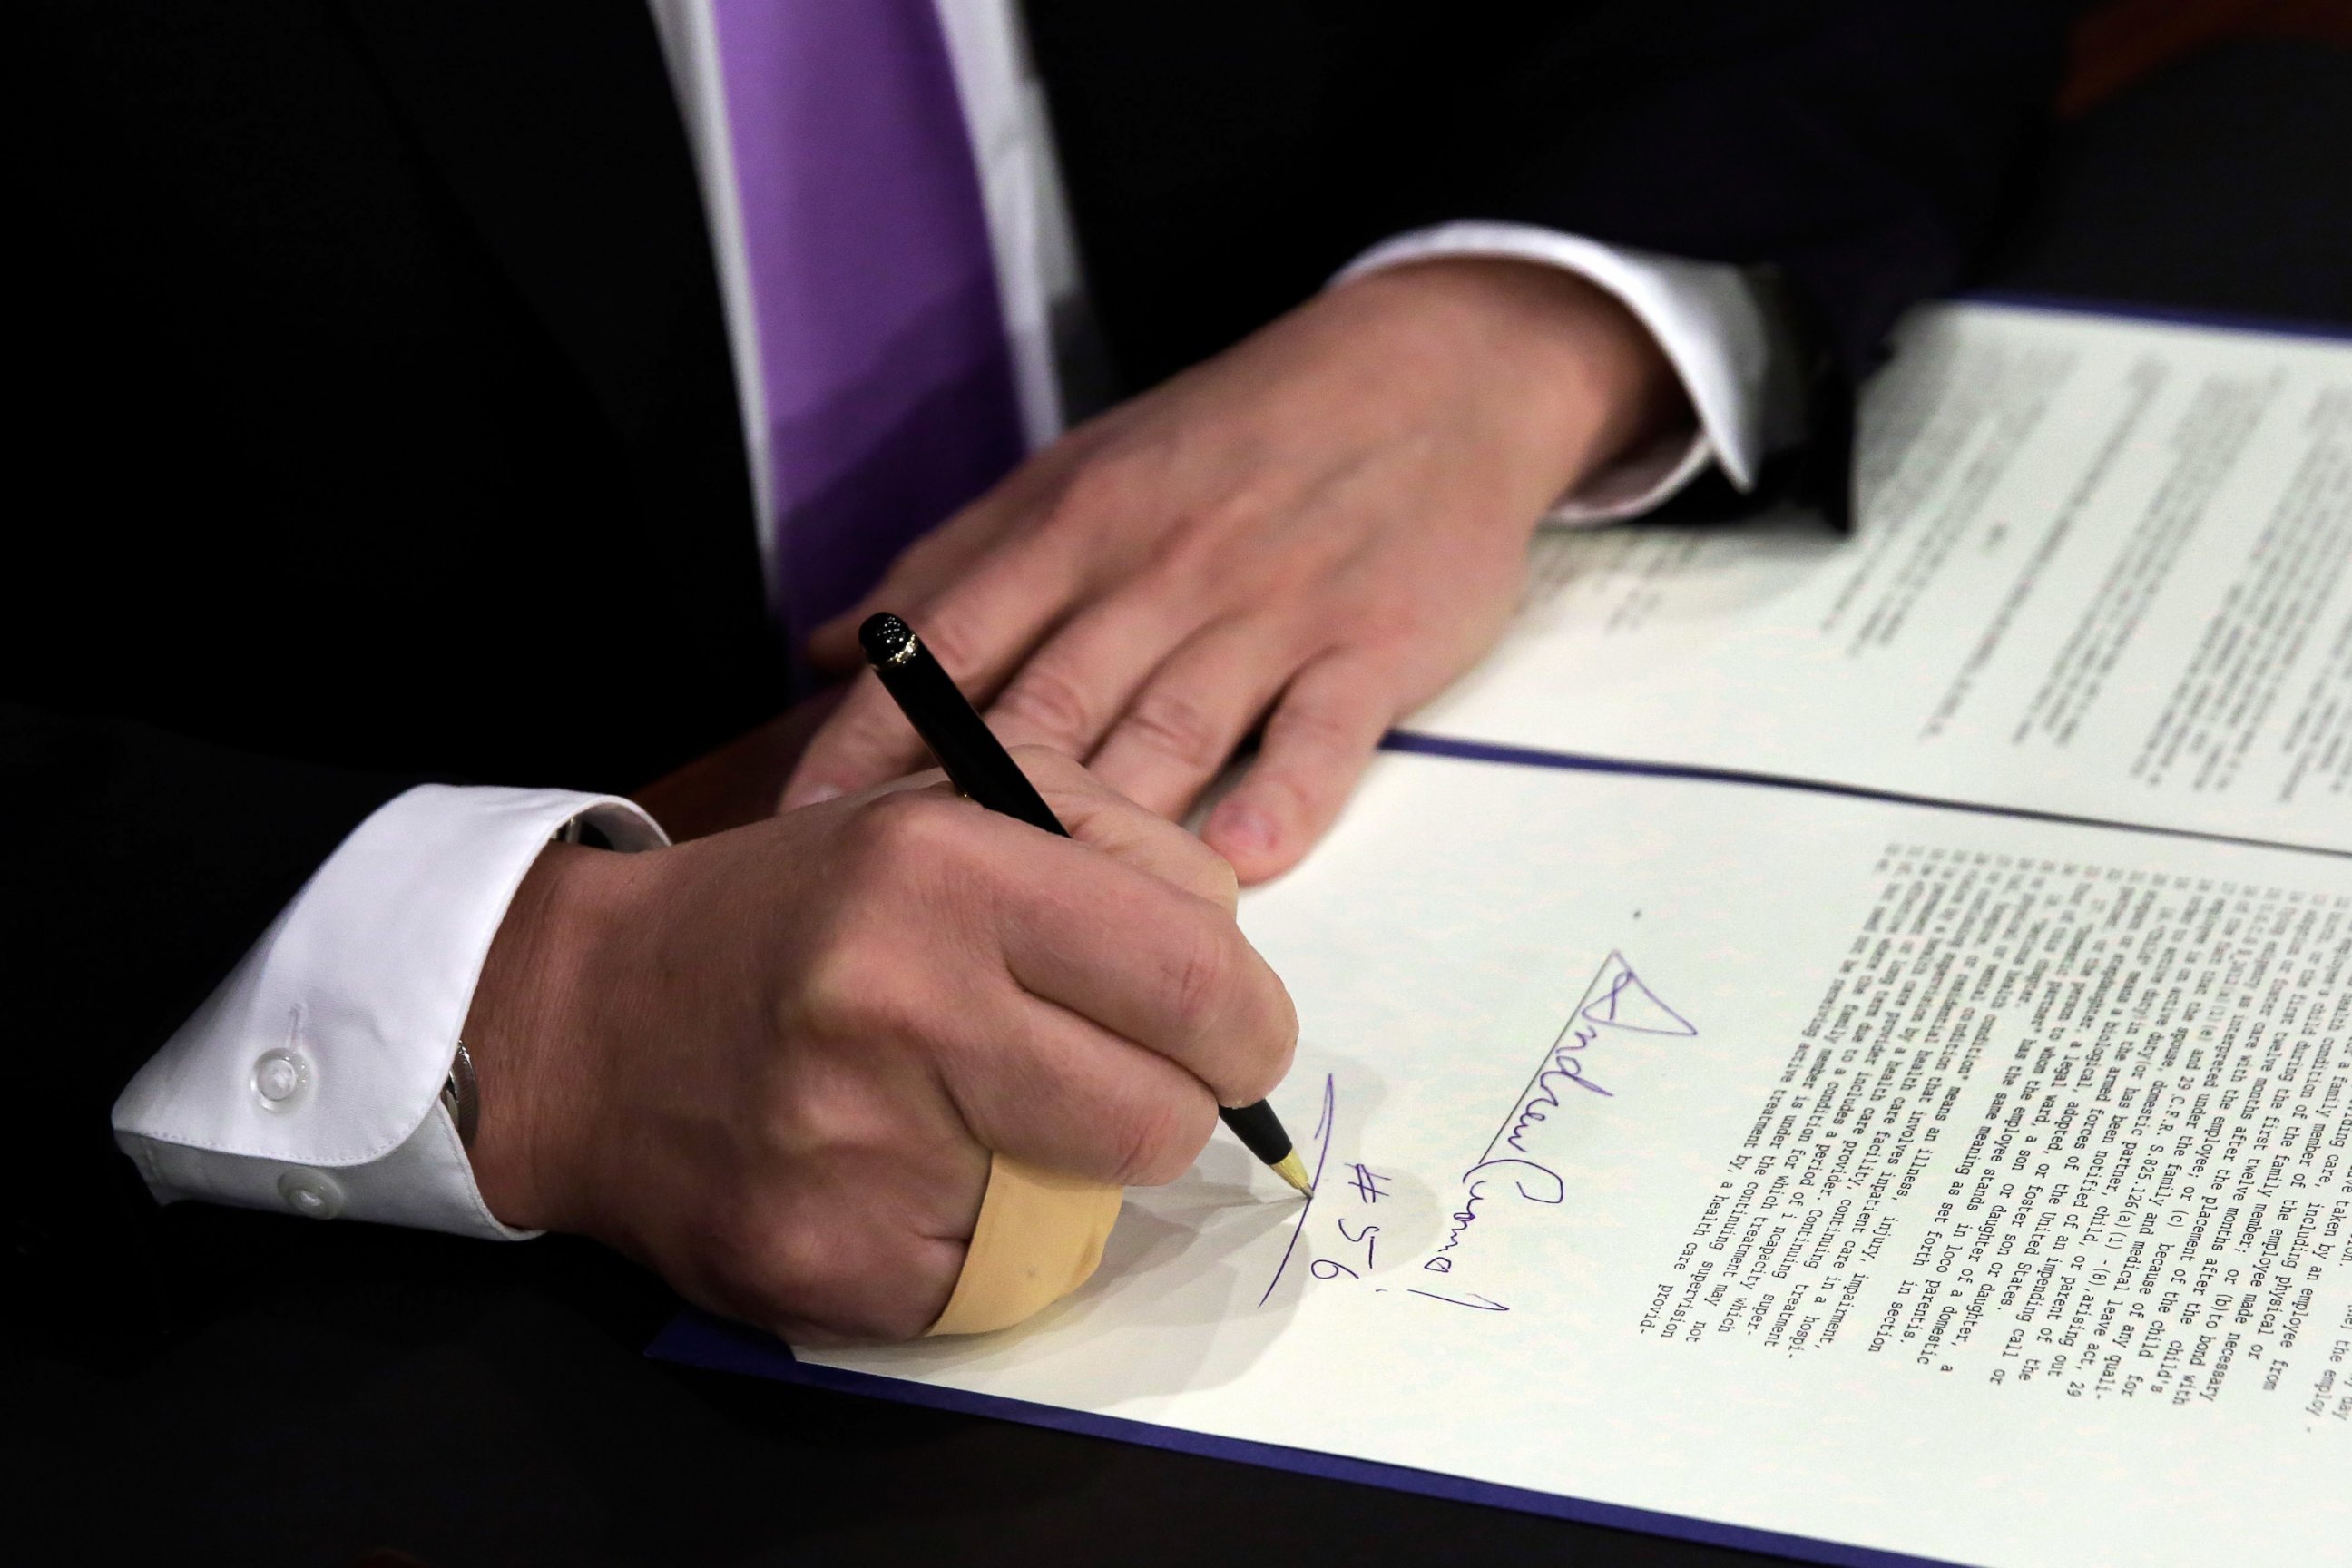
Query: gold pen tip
<point>1294,1170</point>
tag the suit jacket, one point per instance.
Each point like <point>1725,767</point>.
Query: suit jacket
<point>382,428</point>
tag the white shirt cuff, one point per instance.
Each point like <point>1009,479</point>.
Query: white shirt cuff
<point>1709,319</point>
<point>309,1082</point>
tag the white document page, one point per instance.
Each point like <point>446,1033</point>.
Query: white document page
<point>2102,569</point>
<point>1921,1180</point>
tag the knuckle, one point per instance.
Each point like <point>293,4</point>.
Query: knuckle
<point>1178,728</point>
<point>1245,505</point>
<point>904,829</point>
<point>1199,978</point>
<point>1157,1139</point>
<point>1192,561</point>
<point>1051,765</point>
<point>1045,700</point>
<point>1315,724</point>
<point>1246,497</point>
<point>828,998</point>
<point>1205,546</point>
<point>854,989</point>
<point>1090,491</point>
<point>897,852</point>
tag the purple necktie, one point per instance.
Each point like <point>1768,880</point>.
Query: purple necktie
<point>882,347</point>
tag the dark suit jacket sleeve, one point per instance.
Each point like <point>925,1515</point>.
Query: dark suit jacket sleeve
<point>1224,157</point>
<point>1859,150</point>
<point>141,867</point>
<point>378,383</point>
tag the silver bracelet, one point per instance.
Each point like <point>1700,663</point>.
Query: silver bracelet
<point>461,1097</point>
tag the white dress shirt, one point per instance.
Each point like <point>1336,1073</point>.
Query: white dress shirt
<point>310,1081</point>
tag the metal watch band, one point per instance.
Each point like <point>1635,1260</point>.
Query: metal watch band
<point>462,1095</point>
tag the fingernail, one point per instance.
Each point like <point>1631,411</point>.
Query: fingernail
<point>1243,827</point>
<point>810,794</point>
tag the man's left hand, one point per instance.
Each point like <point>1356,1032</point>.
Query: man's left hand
<point>1315,531</point>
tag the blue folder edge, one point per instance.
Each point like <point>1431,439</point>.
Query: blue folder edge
<point>698,1340</point>
<point>2164,315</point>
<point>1418,745</point>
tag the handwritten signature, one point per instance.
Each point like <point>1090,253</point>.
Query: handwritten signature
<point>1566,1066</point>
<point>1616,998</point>
<point>1548,1189</point>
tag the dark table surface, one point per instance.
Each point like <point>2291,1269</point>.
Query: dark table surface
<point>265,1392</point>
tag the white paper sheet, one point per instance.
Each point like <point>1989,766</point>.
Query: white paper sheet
<point>1922,1180</point>
<point>2104,569</point>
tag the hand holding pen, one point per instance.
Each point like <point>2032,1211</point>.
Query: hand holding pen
<point>778,1063</point>
<point>978,766</point>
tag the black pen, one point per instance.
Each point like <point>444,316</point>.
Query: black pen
<point>978,764</point>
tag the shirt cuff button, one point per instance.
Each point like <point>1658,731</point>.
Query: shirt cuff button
<point>281,1079</point>
<point>311,1193</point>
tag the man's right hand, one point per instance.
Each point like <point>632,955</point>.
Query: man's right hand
<point>772,1064</point>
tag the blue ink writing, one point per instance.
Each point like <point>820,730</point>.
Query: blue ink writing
<point>1548,1188</point>
<point>1566,1068</point>
<point>1628,1003</point>
<point>1326,1126</point>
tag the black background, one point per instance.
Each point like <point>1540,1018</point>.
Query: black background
<point>281,1393</point>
